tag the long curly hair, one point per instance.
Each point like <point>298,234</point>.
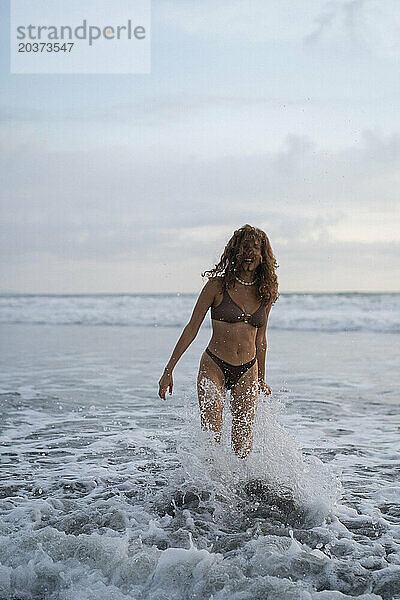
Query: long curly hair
<point>267,280</point>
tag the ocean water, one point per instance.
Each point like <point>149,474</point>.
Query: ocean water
<point>108,492</point>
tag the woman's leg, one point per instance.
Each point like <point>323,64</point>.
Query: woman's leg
<point>243,406</point>
<point>211,393</point>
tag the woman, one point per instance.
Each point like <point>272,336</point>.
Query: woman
<point>241,290</point>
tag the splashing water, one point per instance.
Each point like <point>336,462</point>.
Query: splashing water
<point>275,474</point>
<point>108,493</point>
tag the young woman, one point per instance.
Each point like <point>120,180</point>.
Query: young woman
<point>241,290</point>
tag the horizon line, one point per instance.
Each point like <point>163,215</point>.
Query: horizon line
<point>177,293</point>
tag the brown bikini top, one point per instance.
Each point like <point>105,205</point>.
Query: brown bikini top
<point>230,312</point>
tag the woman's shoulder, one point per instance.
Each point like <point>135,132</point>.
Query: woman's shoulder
<point>215,281</point>
<point>215,285</point>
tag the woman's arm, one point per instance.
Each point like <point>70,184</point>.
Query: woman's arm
<point>204,301</point>
<point>261,352</point>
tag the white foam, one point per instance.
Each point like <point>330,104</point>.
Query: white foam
<point>317,312</point>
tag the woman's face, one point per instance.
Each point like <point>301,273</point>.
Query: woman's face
<point>249,256</point>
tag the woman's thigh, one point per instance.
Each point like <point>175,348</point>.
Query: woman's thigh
<point>244,396</point>
<point>210,389</point>
<point>210,371</point>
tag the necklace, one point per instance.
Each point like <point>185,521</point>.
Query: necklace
<point>244,282</point>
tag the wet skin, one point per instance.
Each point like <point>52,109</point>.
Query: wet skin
<point>235,343</point>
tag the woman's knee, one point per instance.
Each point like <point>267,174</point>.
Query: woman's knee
<point>242,442</point>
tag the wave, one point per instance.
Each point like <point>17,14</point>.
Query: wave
<point>377,312</point>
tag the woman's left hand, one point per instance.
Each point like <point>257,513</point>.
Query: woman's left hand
<point>264,387</point>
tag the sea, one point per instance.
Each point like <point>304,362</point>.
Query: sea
<point>108,492</point>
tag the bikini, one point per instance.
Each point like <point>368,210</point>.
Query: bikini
<point>230,312</point>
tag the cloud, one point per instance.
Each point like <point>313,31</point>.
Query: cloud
<point>258,21</point>
<point>325,265</point>
<point>370,25</point>
<point>115,206</point>
<point>340,16</point>
<point>147,111</point>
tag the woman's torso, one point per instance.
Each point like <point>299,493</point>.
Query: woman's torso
<point>235,329</point>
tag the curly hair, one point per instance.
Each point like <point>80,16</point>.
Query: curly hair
<point>267,280</point>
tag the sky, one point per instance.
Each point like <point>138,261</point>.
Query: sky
<point>281,115</point>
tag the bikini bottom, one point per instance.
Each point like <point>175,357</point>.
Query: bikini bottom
<point>232,373</point>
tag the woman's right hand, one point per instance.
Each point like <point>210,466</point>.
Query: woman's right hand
<point>165,382</point>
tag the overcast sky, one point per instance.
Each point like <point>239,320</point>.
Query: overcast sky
<point>281,114</point>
